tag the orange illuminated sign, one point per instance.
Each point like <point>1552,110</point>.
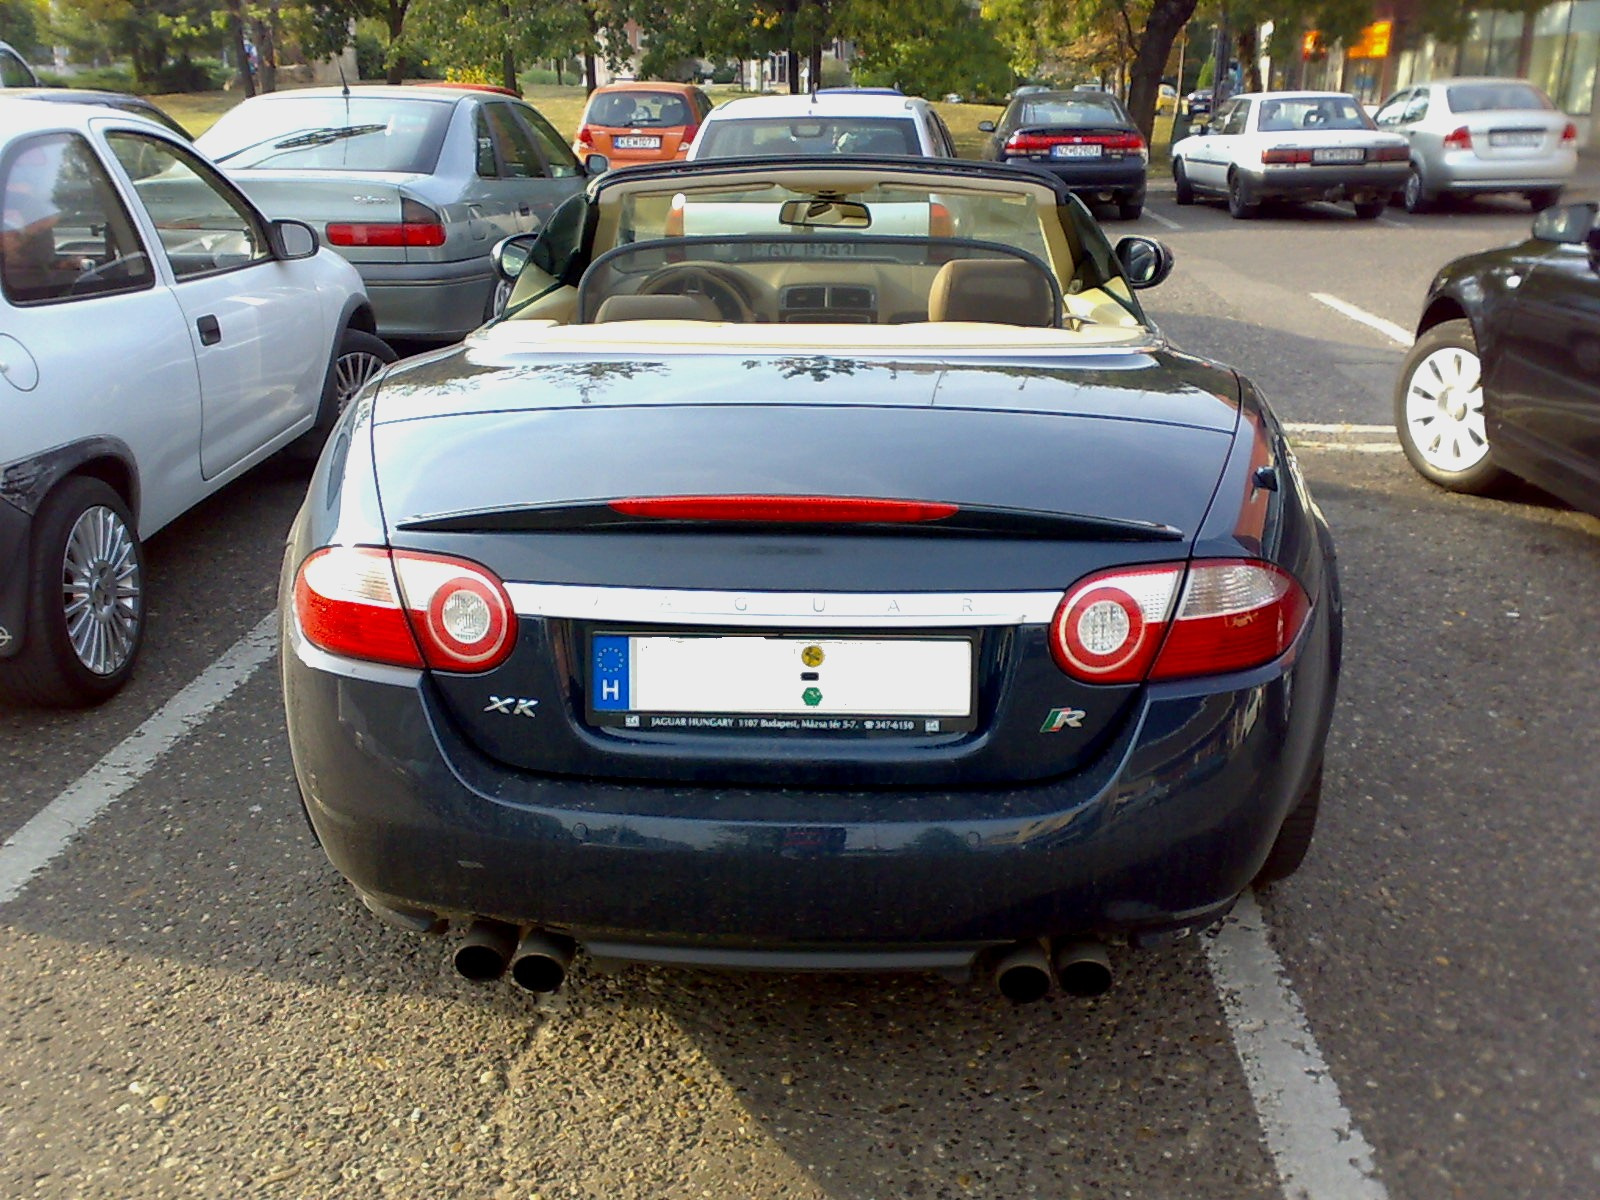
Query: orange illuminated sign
<point>1373,42</point>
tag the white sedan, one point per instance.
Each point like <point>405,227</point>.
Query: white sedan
<point>1294,146</point>
<point>158,337</point>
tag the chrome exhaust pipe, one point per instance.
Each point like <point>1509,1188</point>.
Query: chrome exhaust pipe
<point>541,961</point>
<point>1083,969</point>
<point>483,954</point>
<point>1023,975</point>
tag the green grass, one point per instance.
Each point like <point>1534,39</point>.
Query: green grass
<point>197,111</point>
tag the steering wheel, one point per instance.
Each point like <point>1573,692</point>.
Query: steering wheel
<point>722,287</point>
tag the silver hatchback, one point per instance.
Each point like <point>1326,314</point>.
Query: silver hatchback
<point>1473,136</point>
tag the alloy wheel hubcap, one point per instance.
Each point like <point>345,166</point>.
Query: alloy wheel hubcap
<point>352,373</point>
<point>1444,410</point>
<point>103,603</point>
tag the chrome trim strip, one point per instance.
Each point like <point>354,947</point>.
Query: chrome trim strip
<point>813,610</point>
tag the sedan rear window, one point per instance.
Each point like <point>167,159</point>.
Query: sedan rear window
<point>631,108</point>
<point>331,133</point>
<point>1485,97</point>
<point>782,137</point>
<point>1311,112</point>
<point>1072,113</point>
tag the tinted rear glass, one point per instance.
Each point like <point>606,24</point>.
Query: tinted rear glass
<point>330,133</point>
<point>631,108</point>
<point>783,136</point>
<point>1312,112</point>
<point>1072,111</point>
<point>1485,97</point>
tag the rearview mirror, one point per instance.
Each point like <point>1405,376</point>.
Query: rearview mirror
<point>1145,262</point>
<point>1568,224</point>
<point>825,213</point>
<point>511,254</point>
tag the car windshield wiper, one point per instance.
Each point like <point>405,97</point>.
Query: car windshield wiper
<point>304,137</point>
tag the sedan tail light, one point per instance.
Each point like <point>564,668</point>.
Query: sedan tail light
<point>404,608</point>
<point>1459,138</point>
<point>1132,624</point>
<point>583,142</point>
<point>784,509</point>
<point>1283,155</point>
<point>1569,135</point>
<point>419,225</point>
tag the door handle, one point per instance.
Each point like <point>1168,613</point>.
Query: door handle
<point>210,330</point>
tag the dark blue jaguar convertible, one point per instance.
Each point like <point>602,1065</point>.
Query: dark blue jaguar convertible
<point>824,566</point>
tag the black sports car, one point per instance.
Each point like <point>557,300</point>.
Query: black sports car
<point>1505,372</point>
<point>870,586</point>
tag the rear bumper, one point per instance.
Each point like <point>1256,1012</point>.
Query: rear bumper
<point>1327,183</point>
<point>428,300</point>
<point>1160,834</point>
<point>1124,177</point>
<point>1465,171</point>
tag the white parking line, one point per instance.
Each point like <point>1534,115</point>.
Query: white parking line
<point>1160,220</point>
<point>1319,1152</point>
<point>1368,430</point>
<point>47,833</point>
<point>1395,333</point>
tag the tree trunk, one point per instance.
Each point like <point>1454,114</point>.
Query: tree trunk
<point>247,77</point>
<point>816,66</point>
<point>266,55</point>
<point>508,57</point>
<point>395,15</point>
<point>1167,19</point>
<point>592,24</point>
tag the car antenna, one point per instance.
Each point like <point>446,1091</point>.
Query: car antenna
<point>345,92</point>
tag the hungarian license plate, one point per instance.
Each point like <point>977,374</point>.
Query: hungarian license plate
<point>1515,137</point>
<point>627,141</point>
<point>1076,150</point>
<point>768,684</point>
<point>1339,154</point>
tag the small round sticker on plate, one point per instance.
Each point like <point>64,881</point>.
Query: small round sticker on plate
<point>812,656</point>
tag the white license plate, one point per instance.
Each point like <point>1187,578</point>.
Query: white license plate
<point>1520,137</point>
<point>1076,150</point>
<point>754,683</point>
<point>634,142</point>
<point>1339,154</point>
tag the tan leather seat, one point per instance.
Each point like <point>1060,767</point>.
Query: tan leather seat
<point>691,307</point>
<point>1005,291</point>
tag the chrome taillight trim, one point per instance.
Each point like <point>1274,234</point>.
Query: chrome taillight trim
<point>813,610</point>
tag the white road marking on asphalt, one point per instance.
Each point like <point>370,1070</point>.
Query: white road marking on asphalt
<point>47,833</point>
<point>1395,333</point>
<point>1160,220</point>
<point>1319,1152</point>
<point>1348,447</point>
<point>1372,430</point>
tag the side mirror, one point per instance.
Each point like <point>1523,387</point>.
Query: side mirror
<point>511,254</point>
<point>1145,262</point>
<point>596,164</point>
<point>985,126</point>
<point>1568,224</point>
<point>291,240</point>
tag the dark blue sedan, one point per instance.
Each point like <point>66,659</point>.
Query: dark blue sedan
<point>825,594</point>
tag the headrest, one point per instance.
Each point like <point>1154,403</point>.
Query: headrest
<point>692,307</point>
<point>1004,291</point>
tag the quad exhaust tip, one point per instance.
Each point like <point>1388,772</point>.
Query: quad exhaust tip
<point>538,961</point>
<point>1083,969</point>
<point>1028,971</point>
<point>1023,975</point>
<point>484,953</point>
<point>541,961</point>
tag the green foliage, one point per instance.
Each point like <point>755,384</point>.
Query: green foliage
<point>927,47</point>
<point>1208,73</point>
<point>25,24</point>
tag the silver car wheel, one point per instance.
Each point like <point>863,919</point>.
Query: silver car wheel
<point>351,372</point>
<point>1444,410</point>
<point>101,590</point>
<point>501,297</point>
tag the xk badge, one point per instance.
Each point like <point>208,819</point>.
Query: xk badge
<point>1063,718</point>
<point>511,706</point>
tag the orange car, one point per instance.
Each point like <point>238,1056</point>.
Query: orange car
<point>640,122</point>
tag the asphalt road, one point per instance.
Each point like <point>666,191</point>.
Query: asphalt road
<point>193,1004</point>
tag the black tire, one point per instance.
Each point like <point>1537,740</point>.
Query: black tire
<point>86,605</point>
<point>1240,206</point>
<point>1180,180</point>
<point>1543,198</point>
<point>1294,836</point>
<point>1129,210</point>
<point>1369,210</point>
<point>1434,412</point>
<point>499,297</point>
<point>1415,197</point>
<point>360,356</point>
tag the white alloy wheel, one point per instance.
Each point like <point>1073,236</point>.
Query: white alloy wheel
<point>1438,409</point>
<point>100,590</point>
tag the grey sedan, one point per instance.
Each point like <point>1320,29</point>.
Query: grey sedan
<point>1476,136</point>
<point>414,185</point>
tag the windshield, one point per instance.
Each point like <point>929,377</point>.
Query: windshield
<point>330,133</point>
<point>773,136</point>
<point>1283,113</point>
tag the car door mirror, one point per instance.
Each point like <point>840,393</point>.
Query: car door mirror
<point>292,240</point>
<point>510,255</point>
<point>985,126</point>
<point>596,164</point>
<point>1567,224</point>
<point>1145,262</point>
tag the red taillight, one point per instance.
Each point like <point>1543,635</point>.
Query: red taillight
<point>1281,155</point>
<point>404,608</point>
<point>940,222</point>
<point>1123,626</point>
<point>1028,143</point>
<point>418,226</point>
<point>1391,154</point>
<point>1458,139</point>
<point>688,134</point>
<point>1569,135</point>
<point>1115,145</point>
<point>807,510</point>
<point>583,143</point>
<point>673,225</point>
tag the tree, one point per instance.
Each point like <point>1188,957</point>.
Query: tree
<point>927,47</point>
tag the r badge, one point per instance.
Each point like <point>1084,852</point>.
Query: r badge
<point>1063,718</point>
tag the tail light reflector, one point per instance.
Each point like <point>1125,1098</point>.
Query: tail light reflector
<point>1026,143</point>
<point>404,608</point>
<point>1392,154</point>
<point>419,226</point>
<point>1129,625</point>
<point>778,509</point>
<point>688,134</point>
<point>1459,138</point>
<point>940,223</point>
<point>1283,155</point>
<point>673,225</point>
<point>1569,135</point>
